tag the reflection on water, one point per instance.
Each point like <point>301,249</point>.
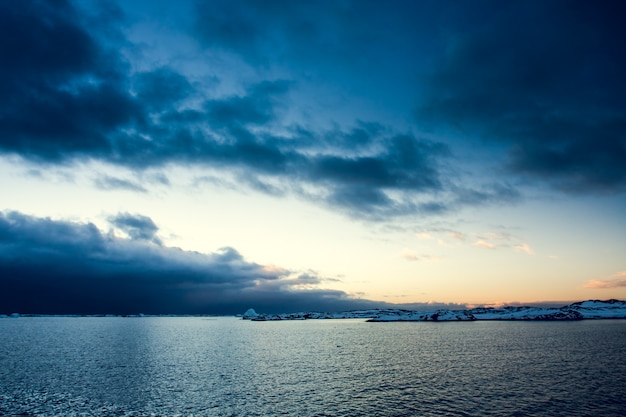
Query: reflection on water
<point>230,367</point>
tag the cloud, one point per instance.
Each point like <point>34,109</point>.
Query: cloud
<point>615,281</point>
<point>432,306</point>
<point>513,303</point>
<point>523,247</point>
<point>443,236</point>
<point>489,194</point>
<point>324,36</point>
<point>484,244</point>
<point>411,255</point>
<point>501,239</point>
<point>256,107</point>
<point>63,91</point>
<point>457,235</point>
<point>111,183</point>
<point>86,102</point>
<point>138,227</point>
<point>161,88</point>
<point>493,240</point>
<point>61,267</point>
<point>601,284</point>
<point>545,80</point>
<point>158,178</point>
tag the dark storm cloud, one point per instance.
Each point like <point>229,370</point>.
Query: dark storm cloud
<point>160,88</point>
<point>354,170</point>
<point>545,79</point>
<point>406,163</point>
<point>62,92</point>
<point>363,184</point>
<point>69,95</point>
<point>60,267</point>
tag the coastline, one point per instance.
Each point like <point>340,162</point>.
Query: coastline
<point>584,310</point>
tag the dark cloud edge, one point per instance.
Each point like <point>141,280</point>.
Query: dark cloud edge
<point>63,267</point>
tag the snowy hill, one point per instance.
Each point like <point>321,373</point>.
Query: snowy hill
<point>591,309</point>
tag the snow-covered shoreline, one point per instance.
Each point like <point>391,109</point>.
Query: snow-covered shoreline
<point>590,309</point>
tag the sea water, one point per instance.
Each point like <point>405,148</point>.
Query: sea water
<point>165,366</point>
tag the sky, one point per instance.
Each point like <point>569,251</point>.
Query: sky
<point>206,157</point>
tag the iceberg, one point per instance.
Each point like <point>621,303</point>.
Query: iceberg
<point>250,314</point>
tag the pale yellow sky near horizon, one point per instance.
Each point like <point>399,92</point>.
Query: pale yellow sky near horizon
<point>534,251</point>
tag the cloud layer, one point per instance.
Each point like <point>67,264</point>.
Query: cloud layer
<point>544,79</point>
<point>75,96</point>
<point>60,267</point>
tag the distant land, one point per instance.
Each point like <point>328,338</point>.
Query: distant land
<point>590,309</point>
<point>583,310</point>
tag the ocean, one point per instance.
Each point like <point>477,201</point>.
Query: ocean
<point>201,366</point>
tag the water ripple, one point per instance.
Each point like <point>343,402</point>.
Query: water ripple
<point>228,367</point>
